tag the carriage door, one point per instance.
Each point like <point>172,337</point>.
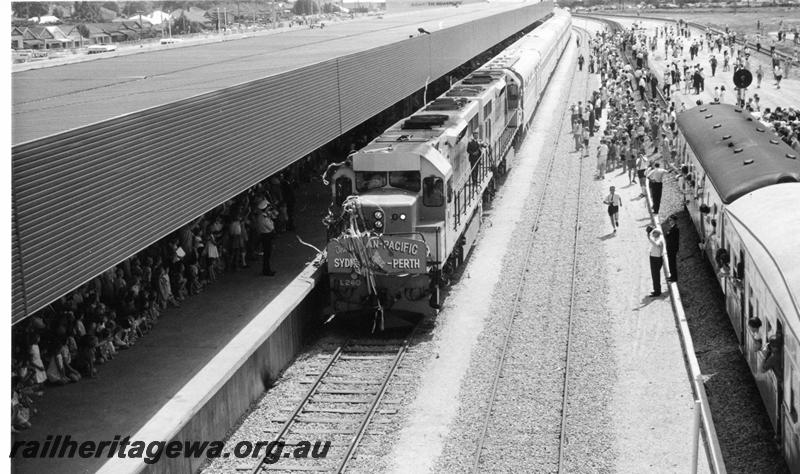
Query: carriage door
<point>779,373</point>
<point>741,285</point>
<point>733,292</point>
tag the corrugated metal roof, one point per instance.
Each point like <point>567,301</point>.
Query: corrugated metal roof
<point>92,196</point>
<point>738,153</point>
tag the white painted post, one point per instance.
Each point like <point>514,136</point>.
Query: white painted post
<point>696,434</point>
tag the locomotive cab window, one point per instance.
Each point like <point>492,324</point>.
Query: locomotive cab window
<point>366,180</point>
<point>344,187</point>
<point>408,180</point>
<point>513,96</point>
<point>432,191</point>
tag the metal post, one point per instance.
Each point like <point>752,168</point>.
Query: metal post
<point>218,30</point>
<point>696,431</point>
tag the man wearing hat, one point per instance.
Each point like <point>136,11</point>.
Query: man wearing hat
<point>656,252</point>
<point>266,230</point>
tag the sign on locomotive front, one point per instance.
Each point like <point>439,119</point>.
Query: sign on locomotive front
<point>385,254</point>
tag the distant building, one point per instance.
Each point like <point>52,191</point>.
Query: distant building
<point>404,5</point>
<point>48,37</point>
<point>97,35</point>
<point>372,5</point>
<point>17,37</point>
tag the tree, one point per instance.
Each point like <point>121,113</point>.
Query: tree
<point>87,11</point>
<point>84,30</point>
<point>182,25</point>
<point>29,9</point>
<point>305,7</point>
<point>133,8</point>
<point>113,6</point>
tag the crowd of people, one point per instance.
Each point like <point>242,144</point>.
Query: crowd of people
<point>639,133</point>
<point>69,339</point>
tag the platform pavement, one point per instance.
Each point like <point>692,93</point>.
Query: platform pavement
<point>653,398</point>
<point>787,96</point>
<point>133,386</point>
<point>653,403</point>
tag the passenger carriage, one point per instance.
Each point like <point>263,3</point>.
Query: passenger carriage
<point>742,190</point>
<point>763,229</point>
<point>728,153</point>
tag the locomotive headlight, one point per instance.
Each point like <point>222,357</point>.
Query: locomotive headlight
<point>402,217</point>
<point>378,224</point>
<point>378,215</point>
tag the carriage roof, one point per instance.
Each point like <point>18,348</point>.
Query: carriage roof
<point>738,153</point>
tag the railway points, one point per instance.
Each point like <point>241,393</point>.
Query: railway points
<point>623,402</point>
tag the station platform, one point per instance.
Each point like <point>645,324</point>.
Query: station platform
<point>653,399</point>
<point>131,390</point>
<point>770,96</point>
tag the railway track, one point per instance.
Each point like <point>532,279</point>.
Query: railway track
<point>341,402</point>
<point>518,296</point>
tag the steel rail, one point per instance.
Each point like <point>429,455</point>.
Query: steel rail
<point>563,436</point>
<point>519,290</point>
<point>261,465</point>
<point>373,407</point>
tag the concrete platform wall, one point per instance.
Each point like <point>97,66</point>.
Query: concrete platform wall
<point>213,401</point>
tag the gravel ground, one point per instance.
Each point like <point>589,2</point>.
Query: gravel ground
<point>743,428</point>
<point>525,425</point>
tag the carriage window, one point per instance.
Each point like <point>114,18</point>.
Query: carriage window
<point>344,187</point>
<point>366,180</point>
<point>408,180</point>
<point>740,268</point>
<point>432,191</point>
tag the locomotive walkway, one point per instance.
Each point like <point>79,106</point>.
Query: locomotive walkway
<point>130,389</point>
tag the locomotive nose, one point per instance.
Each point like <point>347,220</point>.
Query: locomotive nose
<point>390,214</point>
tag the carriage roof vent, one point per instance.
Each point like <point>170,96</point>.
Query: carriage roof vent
<point>791,156</point>
<point>726,137</point>
<point>760,129</point>
<point>717,125</point>
<point>447,104</point>
<point>703,109</point>
<point>748,162</point>
<point>774,141</point>
<point>424,122</point>
<point>479,79</point>
<point>464,91</point>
